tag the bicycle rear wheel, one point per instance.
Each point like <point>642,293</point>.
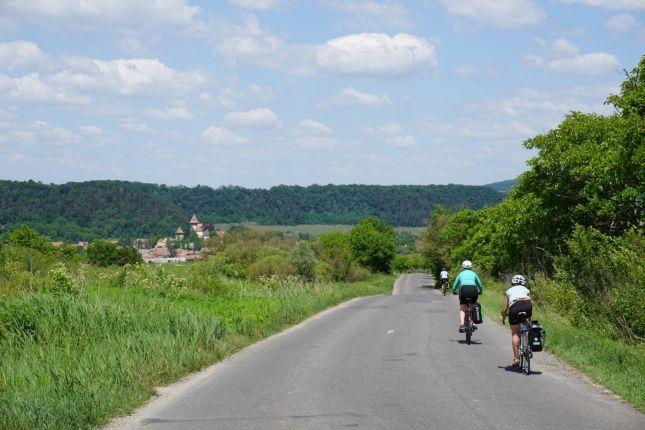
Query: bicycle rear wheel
<point>469,331</point>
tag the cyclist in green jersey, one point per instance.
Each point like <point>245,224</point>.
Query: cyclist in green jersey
<point>469,286</point>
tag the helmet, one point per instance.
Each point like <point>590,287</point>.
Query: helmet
<point>467,264</point>
<point>518,280</point>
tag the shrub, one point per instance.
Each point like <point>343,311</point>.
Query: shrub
<point>373,244</point>
<point>303,260</point>
<point>102,253</point>
<point>336,253</point>
<point>59,281</point>
<point>607,273</point>
<point>277,264</point>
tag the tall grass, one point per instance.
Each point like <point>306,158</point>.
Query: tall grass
<point>72,361</point>
<point>617,364</point>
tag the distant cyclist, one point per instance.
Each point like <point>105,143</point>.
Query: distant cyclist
<point>443,276</point>
<point>516,300</point>
<point>469,286</point>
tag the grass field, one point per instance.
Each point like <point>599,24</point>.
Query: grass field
<point>312,229</point>
<point>73,361</point>
<point>618,365</point>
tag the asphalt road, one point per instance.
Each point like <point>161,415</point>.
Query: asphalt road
<point>385,362</point>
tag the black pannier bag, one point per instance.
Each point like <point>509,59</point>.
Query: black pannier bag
<point>536,336</point>
<point>478,318</point>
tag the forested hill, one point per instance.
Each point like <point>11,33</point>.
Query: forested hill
<point>116,209</point>
<point>503,186</point>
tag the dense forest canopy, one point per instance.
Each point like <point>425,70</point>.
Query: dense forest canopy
<point>117,209</point>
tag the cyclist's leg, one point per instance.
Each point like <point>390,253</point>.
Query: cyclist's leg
<point>515,340</point>
<point>462,314</point>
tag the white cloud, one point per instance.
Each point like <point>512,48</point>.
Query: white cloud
<point>253,118</point>
<point>352,97</point>
<point>127,77</point>
<point>259,4</point>
<point>311,127</point>
<point>475,71</point>
<point>595,63</point>
<point>370,14</point>
<point>622,23</point>
<point>495,13</point>
<point>611,4</point>
<point>205,97</point>
<point>179,112</point>
<point>123,13</point>
<point>251,43</point>
<point>563,46</point>
<point>564,57</point>
<point>375,54</point>
<point>220,136</point>
<point>136,127</point>
<point>91,130</point>
<point>402,141</point>
<point>22,54</point>
<point>392,134</point>
<point>32,89</point>
<point>316,142</point>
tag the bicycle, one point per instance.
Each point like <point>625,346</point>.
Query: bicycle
<point>525,346</point>
<point>444,286</point>
<point>469,326</point>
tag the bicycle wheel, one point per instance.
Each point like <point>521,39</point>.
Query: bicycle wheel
<point>469,331</point>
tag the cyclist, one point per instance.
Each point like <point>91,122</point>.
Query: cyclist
<point>516,300</point>
<point>469,286</point>
<point>443,276</point>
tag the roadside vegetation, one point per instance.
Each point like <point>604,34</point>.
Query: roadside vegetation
<point>573,224</point>
<point>88,336</point>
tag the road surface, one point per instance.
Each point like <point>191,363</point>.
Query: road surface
<point>385,362</point>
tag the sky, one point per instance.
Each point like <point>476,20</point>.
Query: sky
<point>258,93</point>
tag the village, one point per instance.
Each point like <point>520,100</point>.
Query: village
<point>185,245</point>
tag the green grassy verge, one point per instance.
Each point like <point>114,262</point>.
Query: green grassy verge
<point>618,365</point>
<point>75,361</point>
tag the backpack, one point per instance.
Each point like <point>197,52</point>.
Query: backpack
<point>536,336</point>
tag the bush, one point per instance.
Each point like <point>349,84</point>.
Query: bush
<point>607,273</point>
<point>101,253</point>
<point>303,260</point>
<point>407,263</point>
<point>336,253</point>
<point>276,264</point>
<point>373,244</point>
<point>59,281</point>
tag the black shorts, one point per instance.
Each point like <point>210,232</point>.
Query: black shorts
<point>468,292</point>
<point>524,306</point>
<point>444,280</point>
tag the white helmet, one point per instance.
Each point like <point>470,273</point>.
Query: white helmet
<point>467,264</point>
<point>518,280</point>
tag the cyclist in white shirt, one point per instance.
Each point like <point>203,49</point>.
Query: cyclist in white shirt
<point>443,276</point>
<point>516,300</point>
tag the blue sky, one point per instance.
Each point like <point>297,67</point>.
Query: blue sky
<point>265,92</point>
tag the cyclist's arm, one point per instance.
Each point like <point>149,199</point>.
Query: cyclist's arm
<point>456,284</point>
<point>504,311</point>
<point>480,286</point>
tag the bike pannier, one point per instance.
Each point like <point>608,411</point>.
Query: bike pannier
<point>536,337</point>
<point>478,318</point>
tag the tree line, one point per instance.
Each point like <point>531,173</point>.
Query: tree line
<point>126,210</point>
<point>573,222</point>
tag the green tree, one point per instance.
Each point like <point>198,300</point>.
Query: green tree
<point>336,252</point>
<point>373,244</point>
<point>102,253</point>
<point>303,260</point>
<point>29,238</point>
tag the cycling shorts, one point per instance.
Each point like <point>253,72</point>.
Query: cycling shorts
<point>444,280</point>
<point>468,292</point>
<point>520,306</point>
